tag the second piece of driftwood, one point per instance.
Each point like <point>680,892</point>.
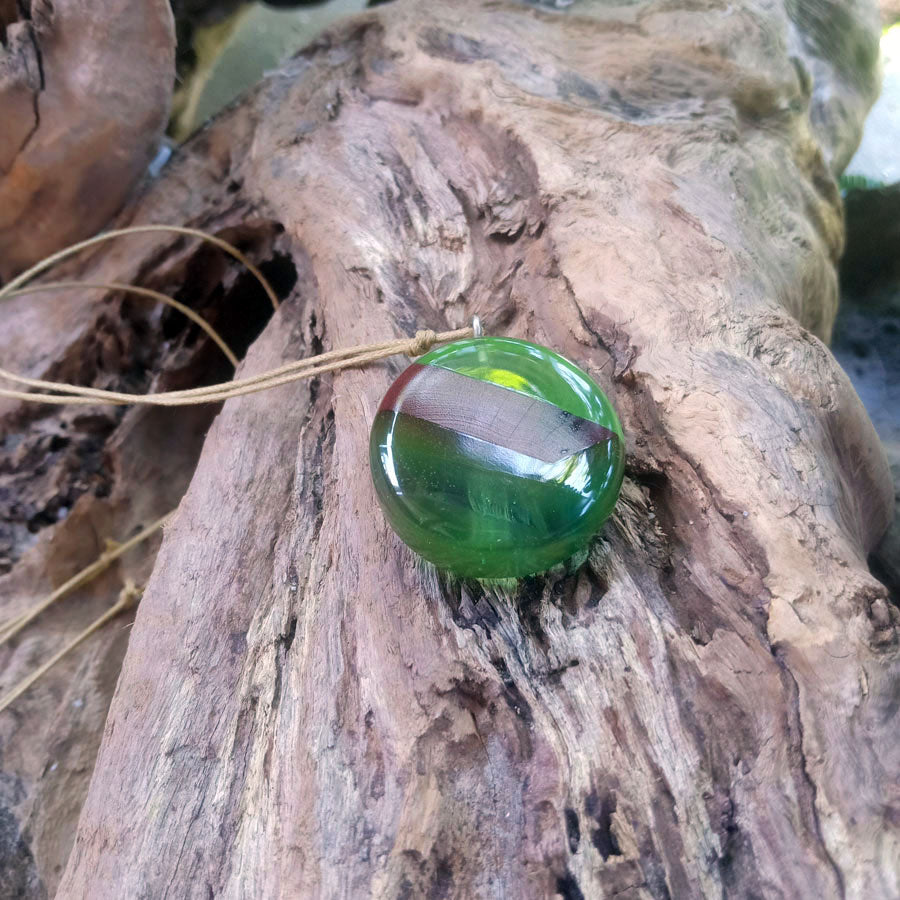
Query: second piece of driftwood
<point>85,89</point>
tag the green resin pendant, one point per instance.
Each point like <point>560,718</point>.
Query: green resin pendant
<point>496,458</point>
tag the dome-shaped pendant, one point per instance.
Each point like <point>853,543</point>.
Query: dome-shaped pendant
<point>495,458</point>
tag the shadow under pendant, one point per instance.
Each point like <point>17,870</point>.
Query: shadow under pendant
<point>496,458</point>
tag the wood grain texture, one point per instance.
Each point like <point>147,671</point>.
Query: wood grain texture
<point>71,478</point>
<point>703,708</point>
<point>85,88</point>
<point>491,413</point>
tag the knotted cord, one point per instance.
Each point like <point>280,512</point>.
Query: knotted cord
<point>54,392</point>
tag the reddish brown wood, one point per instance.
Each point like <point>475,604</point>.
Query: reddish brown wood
<point>85,88</point>
<point>703,707</point>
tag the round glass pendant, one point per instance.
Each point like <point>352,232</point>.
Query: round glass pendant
<point>494,457</point>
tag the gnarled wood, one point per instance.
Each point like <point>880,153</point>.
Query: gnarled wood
<point>701,707</point>
<point>71,479</point>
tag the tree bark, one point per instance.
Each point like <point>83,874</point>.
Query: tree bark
<point>703,706</point>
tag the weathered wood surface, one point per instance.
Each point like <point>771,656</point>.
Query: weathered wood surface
<point>69,480</point>
<point>704,706</point>
<point>85,88</point>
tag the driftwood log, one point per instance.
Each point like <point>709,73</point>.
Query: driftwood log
<point>85,87</point>
<point>704,707</point>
